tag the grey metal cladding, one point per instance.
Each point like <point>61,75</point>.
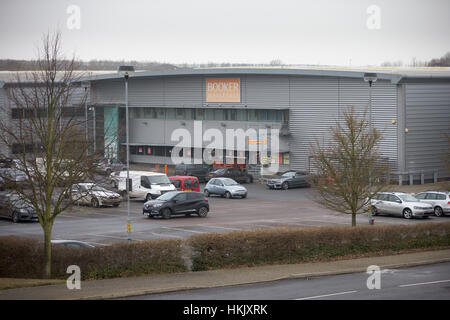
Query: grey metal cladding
<point>145,92</point>
<point>354,92</point>
<point>318,102</point>
<point>427,120</point>
<point>266,91</point>
<point>183,91</point>
<point>313,102</point>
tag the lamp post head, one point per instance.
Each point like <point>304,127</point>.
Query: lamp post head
<point>370,77</point>
<point>125,71</point>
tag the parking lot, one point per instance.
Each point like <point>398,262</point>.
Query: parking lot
<point>263,208</point>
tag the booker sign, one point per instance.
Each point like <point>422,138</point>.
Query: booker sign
<point>223,90</point>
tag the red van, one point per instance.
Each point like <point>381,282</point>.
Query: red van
<point>185,183</point>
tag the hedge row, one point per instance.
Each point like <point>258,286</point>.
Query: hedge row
<point>23,258</point>
<point>298,245</point>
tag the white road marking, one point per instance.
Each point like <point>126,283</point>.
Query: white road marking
<point>181,229</point>
<point>327,295</point>
<point>422,283</point>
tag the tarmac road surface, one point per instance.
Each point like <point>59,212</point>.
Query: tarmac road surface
<point>428,282</point>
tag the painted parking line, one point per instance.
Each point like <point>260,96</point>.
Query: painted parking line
<point>327,295</point>
<point>181,229</point>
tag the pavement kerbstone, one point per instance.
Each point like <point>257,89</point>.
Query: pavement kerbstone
<point>128,287</point>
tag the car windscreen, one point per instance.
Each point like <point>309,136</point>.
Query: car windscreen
<point>98,188</point>
<point>288,174</point>
<point>162,179</point>
<point>167,196</point>
<point>229,182</point>
<point>408,198</point>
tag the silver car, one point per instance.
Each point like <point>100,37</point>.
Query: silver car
<point>94,195</point>
<point>399,203</point>
<point>440,201</point>
<point>225,187</point>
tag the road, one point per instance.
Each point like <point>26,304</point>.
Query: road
<point>429,282</point>
<point>263,208</point>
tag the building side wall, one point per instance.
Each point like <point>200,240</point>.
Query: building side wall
<point>427,120</point>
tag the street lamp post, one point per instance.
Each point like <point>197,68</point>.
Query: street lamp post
<point>370,78</point>
<point>126,71</point>
<point>86,85</point>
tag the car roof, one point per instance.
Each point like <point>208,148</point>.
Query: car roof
<point>143,173</point>
<point>444,192</point>
<point>182,177</point>
<point>71,241</point>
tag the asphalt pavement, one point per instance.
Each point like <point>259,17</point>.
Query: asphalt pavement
<point>263,208</point>
<point>429,282</point>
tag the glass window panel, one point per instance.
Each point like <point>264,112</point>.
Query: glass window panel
<point>170,113</point>
<point>252,115</point>
<point>272,115</point>
<point>219,114</point>
<point>160,113</point>
<point>209,114</point>
<point>179,113</point>
<point>261,115</point>
<point>189,114</point>
<point>148,113</point>
<point>241,115</point>
<point>199,114</point>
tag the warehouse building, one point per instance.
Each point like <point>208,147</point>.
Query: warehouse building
<point>411,107</point>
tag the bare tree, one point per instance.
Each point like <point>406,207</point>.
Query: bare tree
<point>46,131</point>
<point>349,167</point>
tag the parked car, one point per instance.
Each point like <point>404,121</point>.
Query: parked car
<point>399,203</point>
<point>225,187</point>
<point>440,200</point>
<point>13,176</point>
<point>73,244</point>
<point>185,183</point>
<point>176,203</point>
<point>107,166</point>
<point>196,170</point>
<point>14,207</point>
<point>238,175</point>
<point>289,179</point>
<point>145,185</point>
<point>94,195</point>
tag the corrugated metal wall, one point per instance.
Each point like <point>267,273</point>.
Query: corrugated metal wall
<point>317,102</point>
<point>427,119</point>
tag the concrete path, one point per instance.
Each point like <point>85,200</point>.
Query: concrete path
<point>123,287</point>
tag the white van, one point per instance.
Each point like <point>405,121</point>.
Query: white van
<point>145,185</point>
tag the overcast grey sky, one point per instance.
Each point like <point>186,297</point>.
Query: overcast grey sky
<point>248,31</point>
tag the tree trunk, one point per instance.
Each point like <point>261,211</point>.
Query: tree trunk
<point>47,250</point>
<point>353,219</point>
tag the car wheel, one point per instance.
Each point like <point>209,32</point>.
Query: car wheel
<point>15,217</point>
<point>374,211</point>
<point>244,196</point>
<point>166,213</point>
<point>407,213</point>
<point>227,195</point>
<point>116,205</point>
<point>285,186</point>
<point>203,212</point>
<point>206,192</point>
<point>148,197</point>
<point>438,212</point>
<point>95,203</point>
